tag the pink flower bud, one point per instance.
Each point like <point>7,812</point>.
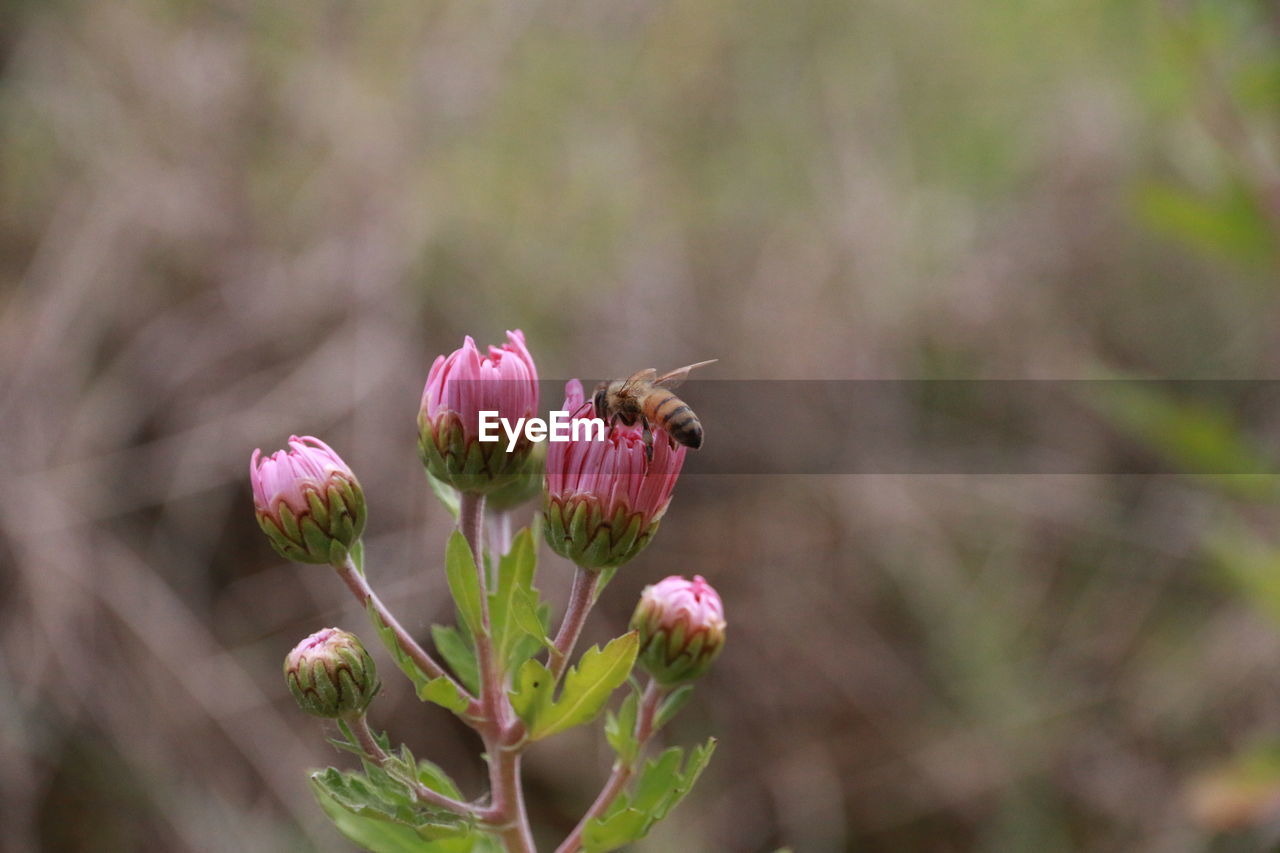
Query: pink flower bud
<point>331,675</point>
<point>605,498</point>
<point>682,628</point>
<point>308,501</point>
<point>458,388</point>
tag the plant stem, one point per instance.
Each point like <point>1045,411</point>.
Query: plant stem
<point>471,522</point>
<point>503,733</point>
<point>622,771</point>
<point>512,825</point>
<point>359,586</point>
<point>360,728</point>
<point>581,597</point>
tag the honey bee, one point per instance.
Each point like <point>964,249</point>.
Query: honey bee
<point>647,398</point>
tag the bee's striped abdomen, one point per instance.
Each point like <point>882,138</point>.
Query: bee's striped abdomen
<point>670,412</point>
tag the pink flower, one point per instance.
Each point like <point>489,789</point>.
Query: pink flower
<point>459,387</point>
<point>466,383</point>
<point>605,498</point>
<point>682,628</point>
<point>308,501</point>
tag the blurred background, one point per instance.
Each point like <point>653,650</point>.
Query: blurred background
<point>222,221</point>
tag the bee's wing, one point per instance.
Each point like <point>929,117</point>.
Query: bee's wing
<point>637,379</point>
<point>680,374</point>
<point>640,376</point>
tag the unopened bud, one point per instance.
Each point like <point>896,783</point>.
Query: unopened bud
<point>459,387</point>
<point>308,501</point>
<point>605,498</point>
<point>331,674</point>
<point>682,628</point>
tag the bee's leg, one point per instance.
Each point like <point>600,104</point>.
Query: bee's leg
<point>648,439</point>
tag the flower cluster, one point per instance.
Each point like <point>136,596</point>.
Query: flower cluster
<point>602,501</point>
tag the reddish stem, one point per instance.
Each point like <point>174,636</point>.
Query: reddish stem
<point>581,597</point>
<point>622,771</point>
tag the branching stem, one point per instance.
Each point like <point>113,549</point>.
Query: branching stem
<point>364,736</point>
<point>359,586</point>
<point>503,733</point>
<point>622,770</point>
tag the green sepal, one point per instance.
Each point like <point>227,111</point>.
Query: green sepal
<point>316,540</point>
<point>554,529</point>
<point>289,523</point>
<point>319,511</point>
<point>626,541</point>
<point>576,526</point>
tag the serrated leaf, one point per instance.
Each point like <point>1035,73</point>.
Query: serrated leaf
<point>376,835</point>
<point>531,693</point>
<point>458,653</point>
<point>620,728</point>
<point>660,777</point>
<point>444,693</point>
<point>660,788</point>
<point>357,803</point>
<point>587,686</point>
<point>616,831</point>
<point>672,705</point>
<point>464,582</point>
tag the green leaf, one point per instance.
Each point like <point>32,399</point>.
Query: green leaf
<point>444,693</point>
<point>431,775</point>
<point>380,813</point>
<point>1230,224</point>
<point>660,788</point>
<point>514,606</point>
<point>672,705</point>
<point>447,494</point>
<point>620,729</point>
<point>403,661</point>
<point>531,694</point>
<point>1199,434</point>
<point>661,776</point>
<point>458,653</point>
<point>587,686</point>
<point>464,582</point>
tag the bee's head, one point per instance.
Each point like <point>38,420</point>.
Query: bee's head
<point>600,400</point>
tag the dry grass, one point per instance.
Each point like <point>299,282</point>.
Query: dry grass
<point>224,221</point>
